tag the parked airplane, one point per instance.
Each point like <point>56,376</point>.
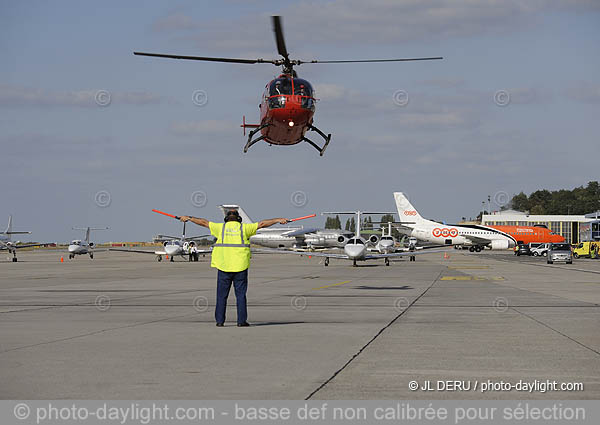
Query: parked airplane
<point>356,249</point>
<point>173,245</point>
<point>387,242</point>
<point>293,237</point>
<point>82,247</point>
<point>476,237</point>
<point>6,242</point>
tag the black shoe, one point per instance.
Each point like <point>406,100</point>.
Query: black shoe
<point>243,325</point>
<point>220,325</point>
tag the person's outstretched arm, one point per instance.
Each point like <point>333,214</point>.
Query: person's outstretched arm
<point>199,221</point>
<point>272,221</point>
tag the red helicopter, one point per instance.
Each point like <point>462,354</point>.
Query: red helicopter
<point>288,103</point>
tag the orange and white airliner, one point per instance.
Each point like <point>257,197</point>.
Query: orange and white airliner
<point>476,237</point>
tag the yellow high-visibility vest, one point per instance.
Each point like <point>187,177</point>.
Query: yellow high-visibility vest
<point>231,252</point>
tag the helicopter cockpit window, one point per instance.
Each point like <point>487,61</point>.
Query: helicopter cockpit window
<point>280,86</point>
<point>278,89</point>
<point>303,88</point>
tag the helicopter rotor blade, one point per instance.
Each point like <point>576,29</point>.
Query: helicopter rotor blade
<point>206,58</point>
<point>278,30</point>
<point>373,60</point>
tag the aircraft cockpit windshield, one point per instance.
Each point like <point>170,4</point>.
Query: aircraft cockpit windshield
<point>304,89</point>
<point>280,86</point>
<point>76,243</point>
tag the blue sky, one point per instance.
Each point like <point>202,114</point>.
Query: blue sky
<point>151,147</point>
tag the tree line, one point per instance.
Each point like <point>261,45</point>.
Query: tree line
<point>581,200</point>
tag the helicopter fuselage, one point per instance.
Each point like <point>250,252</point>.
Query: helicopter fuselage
<point>286,110</point>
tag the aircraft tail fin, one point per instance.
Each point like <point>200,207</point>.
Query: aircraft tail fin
<point>245,217</point>
<point>88,231</point>
<point>407,213</point>
<point>9,231</point>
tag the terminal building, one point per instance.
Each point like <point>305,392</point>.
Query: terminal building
<point>590,231</point>
<point>574,228</point>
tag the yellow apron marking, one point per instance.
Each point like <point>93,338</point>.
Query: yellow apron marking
<point>335,284</point>
<point>471,278</point>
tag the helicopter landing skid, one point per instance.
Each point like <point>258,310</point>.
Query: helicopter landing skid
<point>251,142</point>
<point>327,139</point>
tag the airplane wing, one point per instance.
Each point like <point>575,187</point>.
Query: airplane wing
<point>402,254</point>
<point>314,254</point>
<point>3,246</point>
<point>141,251</point>
<point>477,240</point>
<point>166,237</point>
<point>420,248</point>
<point>344,256</point>
<point>299,232</point>
<point>193,238</point>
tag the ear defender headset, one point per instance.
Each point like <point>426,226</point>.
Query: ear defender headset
<point>233,215</point>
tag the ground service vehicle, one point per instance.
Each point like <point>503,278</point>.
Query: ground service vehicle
<point>587,249</point>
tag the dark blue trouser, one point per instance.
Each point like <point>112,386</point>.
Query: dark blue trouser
<point>240,285</point>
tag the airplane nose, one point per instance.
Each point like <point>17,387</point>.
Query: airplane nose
<point>353,251</point>
<point>72,248</point>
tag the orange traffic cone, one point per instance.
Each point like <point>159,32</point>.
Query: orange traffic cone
<point>310,256</point>
<point>62,259</point>
<point>446,256</point>
<point>167,256</point>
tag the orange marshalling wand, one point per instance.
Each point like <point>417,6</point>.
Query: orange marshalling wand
<point>177,217</point>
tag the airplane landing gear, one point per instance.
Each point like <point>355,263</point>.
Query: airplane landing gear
<point>387,261</point>
<point>159,258</point>
<point>14,259</point>
<point>326,261</point>
<point>172,260</point>
<point>354,263</point>
<point>91,256</point>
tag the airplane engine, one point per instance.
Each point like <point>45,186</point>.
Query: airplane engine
<point>165,243</point>
<point>503,244</point>
<point>374,239</point>
<point>186,246</point>
<point>342,240</point>
<point>91,244</point>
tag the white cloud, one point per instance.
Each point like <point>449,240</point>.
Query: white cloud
<point>207,127</point>
<point>12,96</point>
<point>363,22</point>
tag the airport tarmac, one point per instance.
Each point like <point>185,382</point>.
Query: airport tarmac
<point>123,326</point>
